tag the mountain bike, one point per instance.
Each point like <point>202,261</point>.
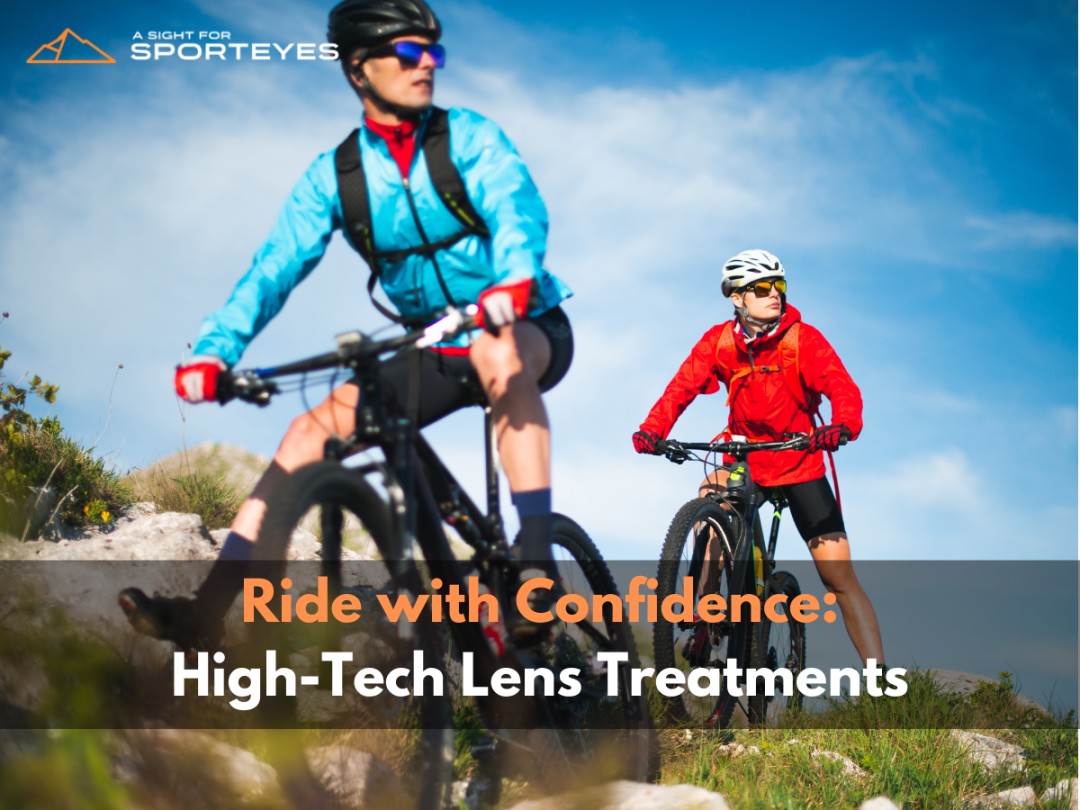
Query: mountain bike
<point>405,498</point>
<point>716,542</point>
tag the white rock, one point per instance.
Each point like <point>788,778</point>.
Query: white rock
<point>197,767</point>
<point>879,803</point>
<point>954,682</point>
<point>632,796</point>
<point>849,768</point>
<point>356,779</point>
<point>991,752</point>
<point>1065,789</point>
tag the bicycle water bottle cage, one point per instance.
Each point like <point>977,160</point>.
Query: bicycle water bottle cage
<point>739,483</point>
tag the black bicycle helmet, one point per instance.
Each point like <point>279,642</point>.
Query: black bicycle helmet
<point>367,23</point>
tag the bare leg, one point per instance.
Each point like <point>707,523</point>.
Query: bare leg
<point>832,555</point>
<point>303,444</point>
<point>197,623</point>
<point>509,367</point>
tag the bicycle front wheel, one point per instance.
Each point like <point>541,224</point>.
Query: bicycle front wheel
<point>698,553</point>
<point>781,646</point>
<point>413,733</point>
<point>613,733</point>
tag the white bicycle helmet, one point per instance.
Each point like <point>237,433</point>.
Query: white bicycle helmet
<point>747,267</point>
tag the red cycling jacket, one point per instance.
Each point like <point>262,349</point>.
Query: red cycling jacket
<point>762,405</point>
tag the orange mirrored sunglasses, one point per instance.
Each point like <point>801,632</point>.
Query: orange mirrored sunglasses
<point>762,289</point>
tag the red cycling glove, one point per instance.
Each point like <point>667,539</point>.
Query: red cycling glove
<point>503,304</point>
<point>645,441</point>
<point>829,438</point>
<point>197,381</point>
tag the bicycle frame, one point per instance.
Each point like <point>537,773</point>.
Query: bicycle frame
<point>742,497</point>
<point>423,494</point>
<point>747,500</point>
<point>421,491</point>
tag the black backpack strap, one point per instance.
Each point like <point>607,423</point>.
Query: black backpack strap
<point>444,174</point>
<point>355,203</point>
<point>356,211</point>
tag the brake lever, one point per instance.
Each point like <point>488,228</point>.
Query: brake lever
<point>250,388</point>
<point>798,441</point>
<point>672,452</point>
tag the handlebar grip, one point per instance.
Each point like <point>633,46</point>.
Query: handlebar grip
<point>226,389</point>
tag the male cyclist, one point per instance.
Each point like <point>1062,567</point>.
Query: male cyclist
<point>425,261</point>
<point>748,355</point>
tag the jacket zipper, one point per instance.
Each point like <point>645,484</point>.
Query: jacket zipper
<point>427,244</point>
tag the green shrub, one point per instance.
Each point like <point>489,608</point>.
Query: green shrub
<point>208,496</point>
<point>37,458</point>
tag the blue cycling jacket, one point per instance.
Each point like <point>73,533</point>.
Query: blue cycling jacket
<point>499,187</point>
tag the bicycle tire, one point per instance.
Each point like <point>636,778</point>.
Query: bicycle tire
<point>682,555</point>
<point>625,737</point>
<point>329,485</point>
<point>780,645</point>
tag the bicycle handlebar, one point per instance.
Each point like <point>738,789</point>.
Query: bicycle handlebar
<point>678,452</point>
<point>354,349</point>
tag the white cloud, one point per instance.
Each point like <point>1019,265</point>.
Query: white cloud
<point>942,480</point>
<point>1022,229</point>
<point>274,20</point>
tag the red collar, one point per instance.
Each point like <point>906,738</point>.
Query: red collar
<point>401,140</point>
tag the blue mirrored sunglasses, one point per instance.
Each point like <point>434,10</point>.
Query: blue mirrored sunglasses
<point>410,53</point>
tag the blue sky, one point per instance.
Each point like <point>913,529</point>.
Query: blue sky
<point>915,169</point>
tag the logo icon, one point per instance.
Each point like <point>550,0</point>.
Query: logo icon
<point>70,49</point>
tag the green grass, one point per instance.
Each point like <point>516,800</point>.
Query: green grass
<point>44,474</point>
<point>921,769</point>
<point>904,747</point>
<point>209,496</point>
<point>39,455</point>
<point>925,705</point>
<point>917,768</point>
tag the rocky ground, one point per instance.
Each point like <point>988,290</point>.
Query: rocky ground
<point>218,773</point>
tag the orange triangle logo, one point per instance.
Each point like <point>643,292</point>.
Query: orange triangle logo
<point>70,49</point>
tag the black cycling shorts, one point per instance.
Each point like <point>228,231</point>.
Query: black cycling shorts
<point>814,508</point>
<point>448,382</point>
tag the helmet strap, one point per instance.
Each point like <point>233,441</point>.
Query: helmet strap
<point>761,327</point>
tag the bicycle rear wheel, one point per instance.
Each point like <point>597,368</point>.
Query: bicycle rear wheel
<point>613,733</point>
<point>700,544</point>
<point>781,645</point>
<point>424,737</point>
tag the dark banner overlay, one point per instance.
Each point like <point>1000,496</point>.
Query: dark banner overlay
<point>971,644</point>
